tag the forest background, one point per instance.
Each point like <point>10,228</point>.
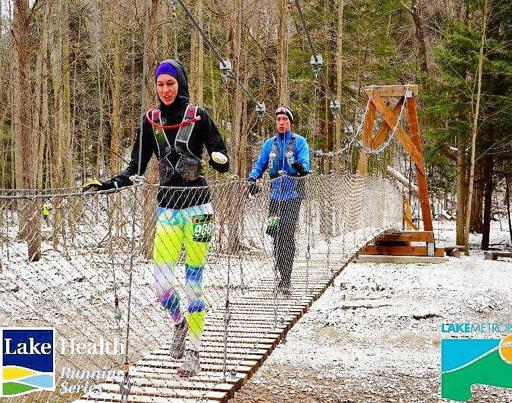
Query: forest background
<point>76,75</point>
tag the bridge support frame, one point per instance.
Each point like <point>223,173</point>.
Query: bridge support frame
<point>378,102</point>
<point>407,243</point>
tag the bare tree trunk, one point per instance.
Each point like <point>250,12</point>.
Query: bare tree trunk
<point>487,201</point>
<point>475,125</point>
<point>507,201</point>
<point>152,33</point>
<point>461,169</point>
<point>30,217</point>
<point>331,69</point>
<point>67,133</point>
<point>244,127</point>
<point>282,61</point>
<point>238,95</point>
<point>62,171</point>
<point>420,36</point>
<point>235,225</point>
<point>149,196</point>
<point>115,135</point>
<point>213,89</point>
<point>476,224</point>
<point>339,80</point>
<point>41,112</point>
<point>196,58</point>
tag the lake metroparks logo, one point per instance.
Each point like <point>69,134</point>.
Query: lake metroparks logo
<point>27,360</point>
<point>466,361</point>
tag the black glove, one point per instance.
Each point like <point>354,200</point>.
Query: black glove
<point>299,168</point>
<point>96,185</point>
<point>252,188</point>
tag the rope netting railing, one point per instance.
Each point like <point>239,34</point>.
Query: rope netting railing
<point>112,273</point>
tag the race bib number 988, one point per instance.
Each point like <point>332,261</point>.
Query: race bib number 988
<point>203,228</point>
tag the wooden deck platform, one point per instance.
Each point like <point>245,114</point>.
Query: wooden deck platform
<point>404,243</point>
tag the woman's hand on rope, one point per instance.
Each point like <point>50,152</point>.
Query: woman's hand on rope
<point>96,185</point>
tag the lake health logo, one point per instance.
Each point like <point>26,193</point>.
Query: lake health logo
<point>27,361</point>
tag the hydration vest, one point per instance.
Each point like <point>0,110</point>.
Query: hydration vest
<point>274,157</point>
<point>189,166</point>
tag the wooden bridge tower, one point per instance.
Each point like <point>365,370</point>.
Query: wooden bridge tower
<point>380,97</point>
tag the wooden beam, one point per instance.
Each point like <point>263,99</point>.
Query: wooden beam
<point>391,120</point>
<point>408,236</point>
<point>391,90</point>
<point>407,211</point>
<point>421,177</point>
<point>362,166</point>
<point>381,136</point>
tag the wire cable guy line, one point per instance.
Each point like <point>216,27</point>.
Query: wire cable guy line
<point>306,31</point>
<point>326,83</point>
<point>94,284</point>
<point>219,57</point>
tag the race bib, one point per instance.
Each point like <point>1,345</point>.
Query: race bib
<point>203,228</point>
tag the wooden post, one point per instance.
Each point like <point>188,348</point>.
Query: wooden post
<point>421,176</point>
<point>366,139</point>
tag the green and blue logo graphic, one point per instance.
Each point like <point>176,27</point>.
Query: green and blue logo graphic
<point>27,361</point>
<point>466,361</point>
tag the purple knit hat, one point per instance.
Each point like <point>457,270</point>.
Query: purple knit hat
<point>166,68</point>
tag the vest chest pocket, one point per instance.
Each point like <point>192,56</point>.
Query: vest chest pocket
<point>189,169</point>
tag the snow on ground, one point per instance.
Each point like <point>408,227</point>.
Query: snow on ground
<point>375,335</point>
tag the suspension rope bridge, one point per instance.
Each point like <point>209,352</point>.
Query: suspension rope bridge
<point>90,274</point>
<point>94,281</point>
<point>82,265</point>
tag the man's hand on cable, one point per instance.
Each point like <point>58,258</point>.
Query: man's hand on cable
<point>96,185</point>
<point>252,187</point>
<point>299,168</point>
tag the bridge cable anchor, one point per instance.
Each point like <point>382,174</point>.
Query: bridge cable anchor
<point>126,385</point>
<point>225,68</point>
<point>317,62</point>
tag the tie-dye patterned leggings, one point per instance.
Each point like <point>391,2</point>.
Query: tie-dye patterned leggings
<point>192,227</point>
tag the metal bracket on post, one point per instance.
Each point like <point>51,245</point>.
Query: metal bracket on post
<point>225,68</point>
<point>260,110</point>
<point>335,107</point>
<point>126,384</point>
<point>317,63</point>
<point>431,248</point>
